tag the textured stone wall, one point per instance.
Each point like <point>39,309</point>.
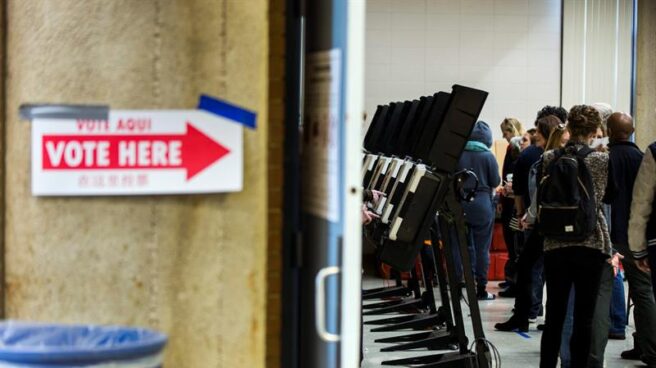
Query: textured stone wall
<point>2,148</point>
<point>646,74</point>
<point>191,266</point>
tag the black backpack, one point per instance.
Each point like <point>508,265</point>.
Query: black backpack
<point>567,209</point>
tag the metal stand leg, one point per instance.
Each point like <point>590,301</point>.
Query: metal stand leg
<point>399,290</point>
<point>445,360</point>
<point>452,217</point>
<point>410,305</point>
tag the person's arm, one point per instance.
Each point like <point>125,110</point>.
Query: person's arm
<point>641,204</point>
<point>494,181</point>
<point>532,211</point>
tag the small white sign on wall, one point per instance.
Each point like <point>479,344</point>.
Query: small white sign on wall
<point>136,152</point>
<point>320,162</point>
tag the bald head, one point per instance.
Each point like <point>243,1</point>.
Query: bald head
<point>620,126</point>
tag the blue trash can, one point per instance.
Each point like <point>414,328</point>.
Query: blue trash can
<point>35,345</point>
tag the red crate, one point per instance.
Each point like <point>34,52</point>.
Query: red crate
<point>385,271</point>
<point>498,241</point>
<point>497,265</point>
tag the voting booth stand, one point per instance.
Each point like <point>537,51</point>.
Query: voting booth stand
<point>412,150</point>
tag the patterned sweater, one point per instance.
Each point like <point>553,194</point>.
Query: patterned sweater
<point>597,163</point>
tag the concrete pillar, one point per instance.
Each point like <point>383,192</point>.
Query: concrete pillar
<point>2,149</point>
<point>191,266</point>
<point>646,74</point>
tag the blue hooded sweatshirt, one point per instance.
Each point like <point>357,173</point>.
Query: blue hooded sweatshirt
<point>478,158</point>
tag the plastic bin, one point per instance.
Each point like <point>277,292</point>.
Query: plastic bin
<point>497,266</point>
<point>498,241</point>
<point>33,345</point>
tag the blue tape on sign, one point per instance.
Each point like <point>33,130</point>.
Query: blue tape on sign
<point>227,110</point>
<point>523,334</point>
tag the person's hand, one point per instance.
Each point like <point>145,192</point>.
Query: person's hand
<point>507,189</point>
<point>643,265</point>
<point>523,222</point>
<point>372,216</point>
<point>615,262</point>
<point>368,216</point>
<point>366,219</point>
<point>377,195</point>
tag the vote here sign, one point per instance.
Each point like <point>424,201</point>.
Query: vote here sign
<point>137,152</point>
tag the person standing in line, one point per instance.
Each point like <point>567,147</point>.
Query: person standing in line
<point>577,263</point>
<point>510,128</point>
<point>480,212</point>
<point>610,310</point>
<point>532,250</point>
<point>642,224</point>
<point>527,238</point>
<point>530,135</point>
<point>625,159</point>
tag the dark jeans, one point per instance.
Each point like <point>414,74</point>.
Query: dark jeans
<point>510,269</point>
<point>618,306</point>
<point>565,354</point>
<point>572,266</point>
<point>479,239</point>
<point>531,254</point>
<point>640,288</point>
<point>537,284</point>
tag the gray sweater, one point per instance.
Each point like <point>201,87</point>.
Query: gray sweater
<point>597,163</point>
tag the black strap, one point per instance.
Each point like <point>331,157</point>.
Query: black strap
<point>583,152</point>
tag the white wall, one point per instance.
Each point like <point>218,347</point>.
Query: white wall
<point>510,48</point>
<point>597,52</point>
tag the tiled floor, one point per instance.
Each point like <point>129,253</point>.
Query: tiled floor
<point>515,350</point>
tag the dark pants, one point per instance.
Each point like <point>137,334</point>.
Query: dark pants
<point>601,326</point>
<point>572,266</point>
<point>531,254</point>
<point>640,288</point>
<point>601,318</point>
<point>479,239</point>
<point>652,265</point>
<point>509,238</point>
<point>537,283</point>
<point>565,354</point>
<point>479,216</point>
<point>618,306</point>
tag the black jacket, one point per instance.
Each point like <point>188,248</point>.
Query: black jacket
<point>522,167</point>
<point>624,162</point>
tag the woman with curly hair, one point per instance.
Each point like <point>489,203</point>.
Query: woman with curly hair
<point>576,263</point>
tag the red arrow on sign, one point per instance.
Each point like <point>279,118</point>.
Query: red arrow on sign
<point>193,151</point>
